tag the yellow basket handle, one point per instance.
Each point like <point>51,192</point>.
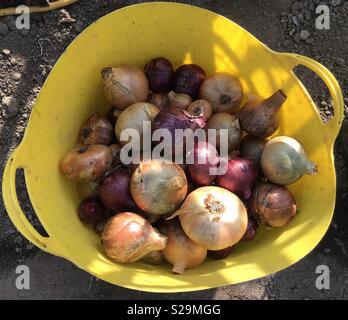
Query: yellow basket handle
<point>15,212</point>
<point>334,124</point>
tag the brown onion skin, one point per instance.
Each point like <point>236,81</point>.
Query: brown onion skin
<point>240,177</point>
<point>114,192</point>
<point>201,107</point>
<point>127,237</point>
<point>160,73</point>
<point>116,151</point>
<point>272,205</point>
<point>188,79</point>
<point>91,210</point>
<point>200,172</point>
<point>220,254</point>
<point>224,92</point>
<point>96,130</point>
<point>259,117</point>
<point>86,163</point>
<point>130,77</point>
<point>251,148</point>
<point>112,115</point>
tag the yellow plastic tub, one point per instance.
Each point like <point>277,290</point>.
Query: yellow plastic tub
<point>184,34</point>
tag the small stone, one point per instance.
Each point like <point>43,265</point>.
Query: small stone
<point>304,34</point>
<point>6,52</point>
<point>297,37</point>
<point>292,32</point>
<point>30,246</point>
<point>16,76</point>
<point>327,250</point>
<point>300,18</point>
<point>64,16</point>
<point>13,61</point>
<point>294,20</point>
<point>286,43</point>
<point>335,2</point>
<point>323,103</point>
<point>3,29</point>
<point>10,106</point>
<point>78,26</point>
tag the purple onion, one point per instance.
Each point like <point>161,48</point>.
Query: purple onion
<point>188,79</point>
<point>160,73</point>
<point>251,231</point>
<point>240,177</point>
<point>205,159</point>
<point>91,210</point>
<point>220,254</point>
<point>114,192</point>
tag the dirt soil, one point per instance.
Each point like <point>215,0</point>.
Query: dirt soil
<point>26,58</point>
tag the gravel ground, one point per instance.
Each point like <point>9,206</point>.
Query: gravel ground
<point>26,58</point>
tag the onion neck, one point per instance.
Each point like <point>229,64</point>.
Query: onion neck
<point>276,100</point>
<point>179,267</point>
<point>215,206</point>
<point>310,168</point>
<point>159,242</point>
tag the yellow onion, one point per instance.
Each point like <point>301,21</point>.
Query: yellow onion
<point>223,120</point>
<point>133,118</point>
<point>158,187</point>
<point>259,117</point>
<point>179,100</point>
<point>272,205</point>
<point>125,85</point>
<point>284,161</point>
<point>127,237</point>
<point>213,217</point>
<point>96,130</point>
<point>200,108</point>
<point>86,163</point>
<point>181,251</point>
<point>224,92</point>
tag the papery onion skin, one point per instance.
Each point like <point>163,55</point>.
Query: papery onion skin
<point>252,148</point>
<point>133,118</point>
<point>160,100</point>
<point>201,107</point>
<point>160,73</point>
<point>114,192</point>
<point>205,159</point>
<point>220,254</point>
<point>272,205</point>
<point>179,100</point>
<point>158,187</point>
<point>181,251</point>
<point>224,92</point>
<point>128,237</point>
<point>154,258</point>
<point>112,115</point>
<point>240,177</point>
<point>87,189</point>
<point>213,217</point>
<point>284,161</point>
<point>188,79</point>
<point>259,117</point>
<point>124,85</point>
<point>223,120</point>
<point>116,154</point>
<point>86,163</point>
<point>96,130</point>
<point>91,210</point>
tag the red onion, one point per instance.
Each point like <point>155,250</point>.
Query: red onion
<point>160,73</point>
<point>251,230</point>
<point>188,79</point>
<point>91,210</point>
<point>240,177</point>
<point>114,192</point>
<point>205,159</point>
<point>177,119</point>
<point>220,254</point>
